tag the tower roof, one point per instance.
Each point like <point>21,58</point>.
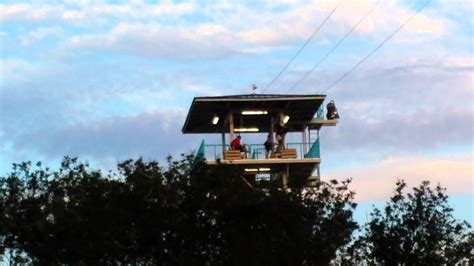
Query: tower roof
<point>300,108</point>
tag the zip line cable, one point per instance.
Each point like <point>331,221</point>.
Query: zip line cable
<point>378,46</point>
<point>374,50</point>
<point>334,48</point>
<point>302,47</point>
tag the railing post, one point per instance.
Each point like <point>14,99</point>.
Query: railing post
<point>304,136</point>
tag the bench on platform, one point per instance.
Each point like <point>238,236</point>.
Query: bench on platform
<point>288,154</point>
<point>232,155</point>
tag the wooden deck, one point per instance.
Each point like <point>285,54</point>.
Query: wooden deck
<point>265,162</point>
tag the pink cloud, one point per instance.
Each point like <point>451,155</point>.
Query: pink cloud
<point>377,181</point>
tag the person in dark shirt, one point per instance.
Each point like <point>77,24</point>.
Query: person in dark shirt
<point>280,136</point>
<point>269,144</point>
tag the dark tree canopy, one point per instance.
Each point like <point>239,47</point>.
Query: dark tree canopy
<point>181,214</point>
<point>417,228</point>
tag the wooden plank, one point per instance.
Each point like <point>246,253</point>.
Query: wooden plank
<point>288,154</point>
<point>318,123</point>
<point>300,163</point>
<point>232,155</point>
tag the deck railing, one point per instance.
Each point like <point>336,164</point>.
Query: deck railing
<point>257,151</point>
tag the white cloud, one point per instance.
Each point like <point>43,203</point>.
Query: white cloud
<point>156,40</point>
<point>301,19</point>
<point>29,12</point>
<point>16,70</point>
<point>84,10</point>
<point>244,25</point>
<point>39,34</point>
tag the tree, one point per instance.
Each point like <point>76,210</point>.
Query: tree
<point>416,228</point>
<point>183,214</point>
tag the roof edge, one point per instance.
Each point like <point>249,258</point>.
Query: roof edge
<point>263,97</point>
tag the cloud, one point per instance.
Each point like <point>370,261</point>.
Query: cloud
<point>401,108</point>
<point>39,34</point>
<point>152,135</point>
<point>376,181</point>
<point>100,113</point>
<point>82,11</point>
<point>300,20</point>
<point>213,30</point>
<point>16,70</point>
<point>155,40</point>
<point>28,12</point>
<point>402,134</point>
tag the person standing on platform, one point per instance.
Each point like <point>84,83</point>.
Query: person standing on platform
<point>269,145</point>
<point>280,136</point>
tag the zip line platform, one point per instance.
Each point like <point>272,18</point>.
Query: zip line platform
<point>270,114</point>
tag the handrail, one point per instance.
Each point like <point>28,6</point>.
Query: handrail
<point>257,151</point>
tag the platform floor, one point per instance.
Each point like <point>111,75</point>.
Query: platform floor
<point>269,162</point>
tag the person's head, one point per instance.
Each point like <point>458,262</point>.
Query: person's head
<point>239,137</point>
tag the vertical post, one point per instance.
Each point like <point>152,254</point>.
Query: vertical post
<point>309,137</point>
<point>271,125</point>
<point>231,127</point>
<point>285,175</point>
<point>223,142</point>
<point>305,148</point>
<point>318,172</point>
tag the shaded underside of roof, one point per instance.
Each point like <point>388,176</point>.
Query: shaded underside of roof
<point>300,108</point>
<point>299,170</point>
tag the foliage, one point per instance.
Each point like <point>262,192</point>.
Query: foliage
<point>416,228</point>
<point>184,214</point>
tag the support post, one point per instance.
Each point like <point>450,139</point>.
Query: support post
<point>223,142</point>
<point>318,173</point>
<point>305,148</point>
<point>308,140</point>
<point>285,176</point>
<point>231,127</point>
<point>271,125</point>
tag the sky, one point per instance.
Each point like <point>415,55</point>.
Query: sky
<point>113,80</point>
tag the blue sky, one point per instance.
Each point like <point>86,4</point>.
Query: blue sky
<point>112,80</point>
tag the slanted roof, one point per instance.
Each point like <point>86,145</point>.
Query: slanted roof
<point>300,108</point>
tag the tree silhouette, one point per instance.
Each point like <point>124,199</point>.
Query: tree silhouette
<point>183,214</point>
<point>416,228</point>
